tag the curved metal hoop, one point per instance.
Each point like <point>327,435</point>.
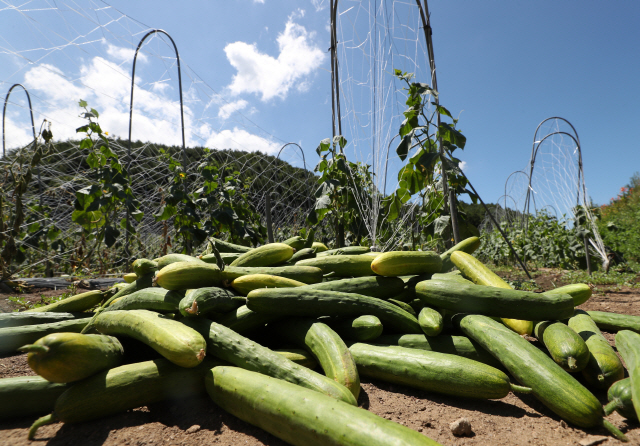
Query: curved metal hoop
<point>4,111</point>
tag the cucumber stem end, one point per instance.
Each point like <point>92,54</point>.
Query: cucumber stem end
<point>611,406</point>
<point>47,419</point>
<point>614,430</point>
<point>519,389</point>
<point>34,348</point>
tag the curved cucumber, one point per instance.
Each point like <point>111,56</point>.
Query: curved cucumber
<point>140,283</point>
<point>227,257</point>
<point>296,242</point>
<point>243,352</point>
<point>565,346</point>
<point>299,356</point>
<point>144,266</point>
<point>432,371</point>
<point>341,265</point>
<point>313,303</point>
<point>266,255</point>
<point>303,417</point>
<point>374,286</point>
<point>156,299</point>
<point>604,367</point>
<point>130,277</point>
<point>614,322</point>
<point>209,299</point>
<point>628,344</point>
<point>468,245</point>
<point>223,246</point>
<point>77,303</point>
<point>621,399</point>
<point>405,306</point>
<point>492,301</point>
<point>67,357</point>
<point>125,387</point>
<point>27,396</point>
<point>305,274</point>
<point>243,320</point>
<point>430,321</point>
<point>347,250</point>
<point>175,341</point>
<point>187,275</point>
<point>174,258</point>
<point>12,338</point>
<point>398,263</point>
<point>579,291</point>
<point>246,284</point>
<point>301,254</point>
<point>32,318</point>
<point>319,247</point>
<point>328,348</point>
<point>554,387</point>
<point>360,328</point>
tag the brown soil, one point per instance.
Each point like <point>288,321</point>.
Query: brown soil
<point>514,420</point>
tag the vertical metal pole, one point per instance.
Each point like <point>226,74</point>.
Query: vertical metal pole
<point>586,250</point>
<point>269,224</point>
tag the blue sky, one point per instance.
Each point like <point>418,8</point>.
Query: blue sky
<point>256,75</point>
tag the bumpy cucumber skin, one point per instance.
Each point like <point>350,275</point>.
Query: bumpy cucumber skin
<point>564,345</point>
<point>303,417</point>
<point>554,387</point>
<point>156,299</point>
<point>12,338</point>
<point>174,258</point>
<point>468,245</point>
<point>305,274</point>
<point>579,291</point>
<point>341,265</point>
<point>361,328</point>
<point>430,321</point>
<point>325,344</point>
<point>144,266</point>
<point>614,322</point>
<point>313,303</point>
<point>209,299</point>
<point>175,341</point>
<point>492,301</point>
<point>77,303</point>
<point>223,246</point>
<point>347,250</point>
<point>398,263</point>
<point>73,356</point>
<point>604,367</point>
<point>431,371</point>
<point>374,286</point>
<point>32,318</point>
<point>620,391</point>
<point>28,396</point>
<point>246,284</point>
<point>299,356</point>
<point>186,275</point>
<point>266,255</point>
<point>628,344</point>
<point>453,345</point>
<point>243,352</point>
<point>243,320</point>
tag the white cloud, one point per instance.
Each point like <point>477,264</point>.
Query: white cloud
<point>258,1</point>
<point>124,54</point>
<point>273,77</point>
<point>463,165</point>
<point>318,4</point>
<point>240,139</point>
<point>228,109</point>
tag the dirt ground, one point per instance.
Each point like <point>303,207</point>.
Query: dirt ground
<point>514,420</point>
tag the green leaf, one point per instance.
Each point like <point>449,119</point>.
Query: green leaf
<point>323,202</point>
<point>441,224</point>
<point>451,135</point>
<point>165,213</point>
<point>427,160</point>
<point>93,160</point>
<point>403,148</point>
<point>95,112</point>
<point>111,235</point>
<point>340,141</point>
<point>83,129</point>
<point>82,103</point>
<point>325,145</point>
<point>442,110</point>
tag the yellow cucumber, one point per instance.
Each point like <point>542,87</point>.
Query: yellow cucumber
<point>186,275</point>
<point>130,277</point>
<point>398,263</point>
<point>266,255</point>
<point>77,303</point>
<point>245,284</point>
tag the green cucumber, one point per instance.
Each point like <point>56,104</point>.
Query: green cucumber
<point>326,345</point>
<point>139,284</point>
<point>621,399</point>
<point>430,321</point>
<point>142,267</point>
<point>614,322</point>
<point>209,299</point>
<point>580,292</point>
<point>405,306</point>
<point>24,396</point>
<point>432,371</point>
<point>304,274</point>
<point>564,345</point>
<point>303,417</point>
<point>176,342</point>
<point>554,387</point>
<point>374,286</point>
<point>347,250</point>
<point>604,367</point>
<point>468,245</point>
<point>77,303</point>
<point>243,320</point>
<point>313,303</point>
<point>301,254</point>
<point>223,246</point>
<point>319,247</point>
<point>628,344</point>
<point>492,301</point>
<point>243,352</point>
<point>245,284</point>
<point>299,356</point>
<point>396,263</point>
<point>174,258</point>
<point>341,265</point>
<point>227,257</point>
<point>68,357</point>
<point>32,318</point>
<point>360,328</point>
<point>418,305</point>
<point>188,275</point>
<point>296,242</point>
<point>130,277</point>
<point>155,299</point>
<point>123,388</point>
<point>266,255</point>
<point>453,345</point>
<point>12,338</point>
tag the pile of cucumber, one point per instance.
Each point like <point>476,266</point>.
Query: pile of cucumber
<point>279,336</point>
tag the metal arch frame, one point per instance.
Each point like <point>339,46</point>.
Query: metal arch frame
<point>184,153</point>
<point>4,111</point>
